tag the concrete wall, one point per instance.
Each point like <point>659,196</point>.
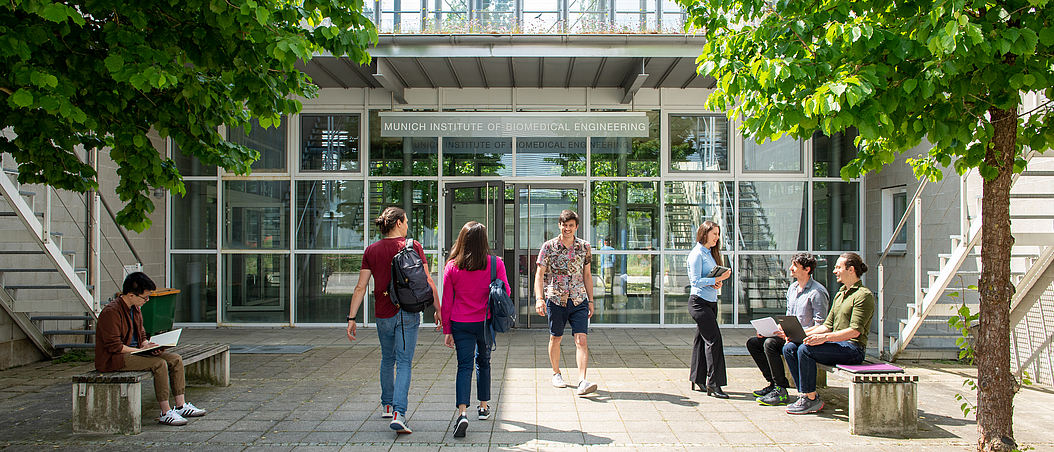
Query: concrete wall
<point>940,220</point>
<point>70,219</point>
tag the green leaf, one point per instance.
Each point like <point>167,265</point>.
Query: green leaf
<point>1046,36</point>
<point>22,98</point>
<point>114,62</point>
<point>55,12</point>
<point>909,85</point>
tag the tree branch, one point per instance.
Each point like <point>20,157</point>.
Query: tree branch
<point>7,90</point>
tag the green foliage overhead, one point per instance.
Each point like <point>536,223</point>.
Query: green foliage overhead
<point>104,73</point>
<point>900,72</point>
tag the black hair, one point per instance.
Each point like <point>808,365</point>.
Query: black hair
<point>137,283</point>
<point>805,260</point>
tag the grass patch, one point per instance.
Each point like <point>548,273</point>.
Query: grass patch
<point>75,356</point>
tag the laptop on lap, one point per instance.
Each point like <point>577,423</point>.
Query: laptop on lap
<point>795,333</point>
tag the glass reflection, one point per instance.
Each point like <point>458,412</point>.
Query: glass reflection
<point>391,156</point>
<point>772,216</point>
<point>763,282</point>
<point>550,157</point>
<point>269,142</point>
<point>699,143</point>
<point>256,288</point>
<point>836,211</point>
<point>832,153</point>
<point>783,155</point>
<point>677,288</point>
<point>627,214</point>
<point>477,156</point>
<point>257,214</point>
<point>195,276</point>
<point>330,214</point>
<point>325,283</point>
<point>627,290</point>
<point>628,157</point>
<point>689,204</point>
<point>330,142</point>
<point>189,165</point>
<point>419,198</point>
<point>196,211</point>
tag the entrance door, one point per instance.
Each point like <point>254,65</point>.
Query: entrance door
<point>483,202</point>
<point>537,208</point>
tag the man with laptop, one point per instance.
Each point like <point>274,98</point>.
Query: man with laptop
<point>807,303</point>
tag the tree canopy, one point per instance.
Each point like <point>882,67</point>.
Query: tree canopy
<point>952,73</point>
<point>93,74</point>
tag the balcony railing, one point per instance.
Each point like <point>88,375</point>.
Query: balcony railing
<point>526,16</point>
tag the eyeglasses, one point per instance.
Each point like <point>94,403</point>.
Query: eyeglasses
<point>146,298</point>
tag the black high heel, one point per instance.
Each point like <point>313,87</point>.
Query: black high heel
<point>696,387</point>
<point>716,392</point>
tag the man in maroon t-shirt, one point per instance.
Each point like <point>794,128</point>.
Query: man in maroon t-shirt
<point>396,329</point>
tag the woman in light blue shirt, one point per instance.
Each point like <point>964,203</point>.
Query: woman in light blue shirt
<point>707,349</point>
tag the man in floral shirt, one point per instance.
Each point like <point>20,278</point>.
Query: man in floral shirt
<point>563,287</point>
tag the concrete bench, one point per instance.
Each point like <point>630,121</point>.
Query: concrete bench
<point>879,403</point>
<point>111,402</point>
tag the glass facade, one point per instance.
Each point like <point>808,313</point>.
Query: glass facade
<point>284,244</point>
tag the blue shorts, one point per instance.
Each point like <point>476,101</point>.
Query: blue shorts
<point>558,316</point>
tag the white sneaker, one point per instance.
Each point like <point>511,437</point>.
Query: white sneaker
<point>387,414</point>
<point>558,381</point>
<point>586,387</point>
<point>189,410</point>
<point>172,417</point>
<point>399,424</point>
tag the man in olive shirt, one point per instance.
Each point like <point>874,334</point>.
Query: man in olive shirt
<point>842,339</point>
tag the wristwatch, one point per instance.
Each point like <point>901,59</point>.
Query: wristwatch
<point>351,318</point>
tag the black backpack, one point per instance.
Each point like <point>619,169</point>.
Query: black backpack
<point>409,289</point>
<point>502,309</point>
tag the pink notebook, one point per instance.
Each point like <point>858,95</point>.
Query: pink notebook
<point>880,368</point>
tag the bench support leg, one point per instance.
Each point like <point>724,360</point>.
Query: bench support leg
<point>883,409</point>
<point>107,408</point>
<point>216,370</point>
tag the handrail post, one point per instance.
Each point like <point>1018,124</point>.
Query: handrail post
<point>881,310</point>
<point>964,212</point>
<point>918,256</point>
<point>96,255</point>
<point>46,227</point>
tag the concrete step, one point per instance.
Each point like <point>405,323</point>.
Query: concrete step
<point>69,332</point>
<point>82,346</point>
<point>53,306</point>
<point>60,317</point>
<point>944,309</point>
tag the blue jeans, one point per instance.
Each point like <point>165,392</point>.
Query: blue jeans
<point>802,359</point>
<point>470,342</point>
<point>398,336</point>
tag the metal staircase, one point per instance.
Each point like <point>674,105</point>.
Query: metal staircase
<point>954,284</point>
<point>39,287</point>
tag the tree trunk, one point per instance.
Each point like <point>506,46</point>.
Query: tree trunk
<point>995,395</point>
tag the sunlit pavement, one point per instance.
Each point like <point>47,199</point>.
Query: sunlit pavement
<point>327,398</point>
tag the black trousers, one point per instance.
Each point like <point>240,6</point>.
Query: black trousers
<point>707,350</point>
<point>768,355</point>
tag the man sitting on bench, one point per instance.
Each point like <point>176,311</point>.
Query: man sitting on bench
<point>119,333</point>
<point>842,339</point>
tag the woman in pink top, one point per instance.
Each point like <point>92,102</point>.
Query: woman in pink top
<point>466,294</point>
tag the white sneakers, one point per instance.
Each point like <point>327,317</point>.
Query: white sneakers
<point>172,417</point>
<point>387,414</point>
<point>558,381</point>
<point>586,387</point>
<point>189,410</point>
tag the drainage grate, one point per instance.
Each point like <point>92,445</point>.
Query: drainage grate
<point>271,349</point>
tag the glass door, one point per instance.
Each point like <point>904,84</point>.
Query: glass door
<point>476,201</point>
<point>537,208</point>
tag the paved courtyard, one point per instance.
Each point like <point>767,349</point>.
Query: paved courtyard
<point>327,399</point>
